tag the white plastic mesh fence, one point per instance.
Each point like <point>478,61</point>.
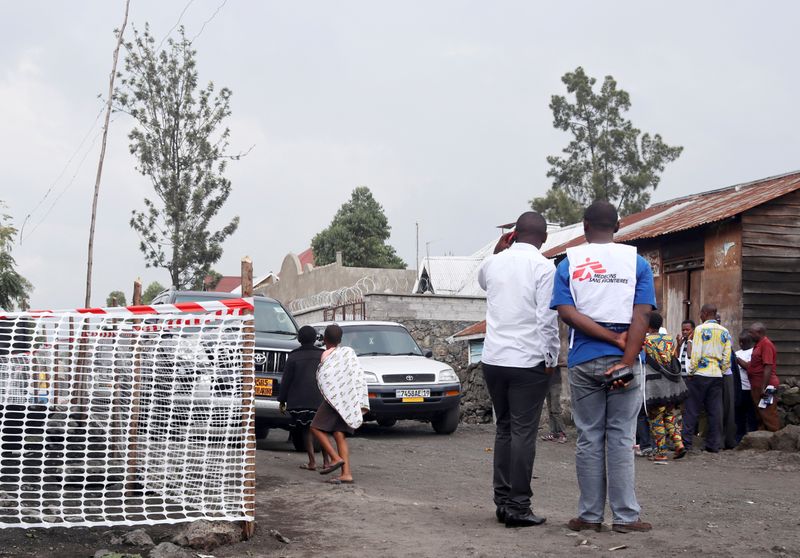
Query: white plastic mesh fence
<point>125,419</point>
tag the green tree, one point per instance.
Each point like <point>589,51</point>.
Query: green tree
<point>153,290</point>
<point>359,231</point>
<point>607,159</point>
<point>116,298</point>
<point>180,142</point>
<point>14,288</point>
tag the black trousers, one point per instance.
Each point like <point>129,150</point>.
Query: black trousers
<point>517,395</point>
<point>728,413</point>
<point>704,393</point>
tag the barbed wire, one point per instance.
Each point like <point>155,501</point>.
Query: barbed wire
<point>354,293</point>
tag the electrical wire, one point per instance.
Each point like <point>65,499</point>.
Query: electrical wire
<point>67,187</point>
<point>60,174</point>
<point>180,17</point>
<point>206,22</point>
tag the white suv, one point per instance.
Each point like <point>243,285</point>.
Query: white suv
<point>403,382</point>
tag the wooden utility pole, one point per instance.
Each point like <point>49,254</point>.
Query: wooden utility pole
<point>88,302</point>
<point>248,401</point>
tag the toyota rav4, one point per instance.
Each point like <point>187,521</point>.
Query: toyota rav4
<point>403,382</point>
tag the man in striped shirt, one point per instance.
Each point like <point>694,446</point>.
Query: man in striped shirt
<point>711,357</point>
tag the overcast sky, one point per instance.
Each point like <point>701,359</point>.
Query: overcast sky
<point>441,108</point>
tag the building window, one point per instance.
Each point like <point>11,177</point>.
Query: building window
<point>475,350</point>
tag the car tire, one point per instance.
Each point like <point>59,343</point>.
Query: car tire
<point>261,432</point>
<point>387,422</point>
<point>447,421</point>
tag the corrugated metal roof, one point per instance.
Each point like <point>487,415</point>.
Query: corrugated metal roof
<point>695,210</point>
<point>306,257</point>
<point>475,329</point>
<point>451,275</point>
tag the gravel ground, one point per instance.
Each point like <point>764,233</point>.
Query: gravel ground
<point>420,494</point>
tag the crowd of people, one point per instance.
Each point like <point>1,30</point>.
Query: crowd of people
<point>635,389</point>
<point>628,377</point>
<point>732,391</point>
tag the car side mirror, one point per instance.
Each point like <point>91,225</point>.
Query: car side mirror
<point>428,354</point>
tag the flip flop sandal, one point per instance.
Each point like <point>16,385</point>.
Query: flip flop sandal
<point>331,468</point>
<point>339,481</point>
<point>307,468</point>
<point>548,437</point>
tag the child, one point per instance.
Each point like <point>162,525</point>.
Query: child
<point>664,390</point>
<point>344,388</point>
<point>299,392</point>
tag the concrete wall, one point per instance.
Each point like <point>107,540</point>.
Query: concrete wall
<point>469,309</point>
<point>430,319</point>
<point>296,283</point>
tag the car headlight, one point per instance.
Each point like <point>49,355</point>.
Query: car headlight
<point>447,376</point>
<point>370,378</point>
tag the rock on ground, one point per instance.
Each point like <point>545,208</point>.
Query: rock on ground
<point>786,439</point>
<point>105,553</point>
<point>137,537</point>
<point>169,550</point>
<point>758,440</point>
<point>207,535</point>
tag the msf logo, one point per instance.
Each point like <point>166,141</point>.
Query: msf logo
<point>587,270</point>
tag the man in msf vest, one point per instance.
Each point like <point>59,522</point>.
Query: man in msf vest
<point>604,292</point>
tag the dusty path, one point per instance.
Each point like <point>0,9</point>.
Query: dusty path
<point>419,494</point>
<point>426,495</point>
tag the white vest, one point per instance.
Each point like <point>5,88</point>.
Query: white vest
<point>602,279</point>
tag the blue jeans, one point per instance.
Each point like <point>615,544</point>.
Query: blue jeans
<point>604,459</point>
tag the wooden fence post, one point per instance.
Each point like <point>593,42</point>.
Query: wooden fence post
<point>137,292</point>
<point>248,395</point>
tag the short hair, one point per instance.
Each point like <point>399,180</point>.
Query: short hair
<point>601,215</point>
<point>744,334</point>
<point>759,327</point>
<point>531,222</point>
<point>333,334</point>
<point>690,322</point>
<point>307,335</point>
<point>709,309</point>
<point>656,320</point>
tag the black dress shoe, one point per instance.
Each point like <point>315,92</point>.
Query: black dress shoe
<point>501,514</point>
<point>528,519</point>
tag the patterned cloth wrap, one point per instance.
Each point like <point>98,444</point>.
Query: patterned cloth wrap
<point>663,382</point>
<point>342,384</point>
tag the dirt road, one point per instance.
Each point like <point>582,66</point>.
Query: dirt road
<point>419,494</point>
<point>426,495</point>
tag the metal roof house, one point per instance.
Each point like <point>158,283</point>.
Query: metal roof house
<point>736,247</point>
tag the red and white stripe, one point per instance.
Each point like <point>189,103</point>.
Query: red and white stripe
<point>219,307</point>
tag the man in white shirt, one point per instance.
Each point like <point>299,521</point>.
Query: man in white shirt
<point>519,354</point>
<point>746,420</point>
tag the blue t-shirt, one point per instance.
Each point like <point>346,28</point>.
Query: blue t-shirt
<point>585,348</point>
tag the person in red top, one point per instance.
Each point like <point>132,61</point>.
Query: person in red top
<point>762,372</point>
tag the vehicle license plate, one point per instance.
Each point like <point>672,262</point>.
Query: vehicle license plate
<point>412,393</point>
<point>264,387</point>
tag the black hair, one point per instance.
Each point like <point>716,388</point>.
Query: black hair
<point>307,335</point>
<point>601,215</point>
<point>690,322</point>
<point>531,222</point>
<point>656,321</point>
<point>333,334</point>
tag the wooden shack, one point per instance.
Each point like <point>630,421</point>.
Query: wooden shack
<point>736,247</point>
